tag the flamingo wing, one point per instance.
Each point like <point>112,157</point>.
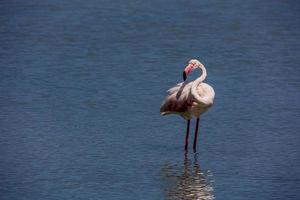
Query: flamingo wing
<point>178,99</point>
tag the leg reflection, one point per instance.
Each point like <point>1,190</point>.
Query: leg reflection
<point>188,181</point>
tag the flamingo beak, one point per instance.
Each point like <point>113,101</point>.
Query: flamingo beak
<point>187,70</point>
<point>184,76</point>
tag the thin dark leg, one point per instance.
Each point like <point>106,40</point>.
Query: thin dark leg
<point>196,135</point>
<point>187,135</point>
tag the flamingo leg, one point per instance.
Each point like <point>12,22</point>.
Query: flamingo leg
<point>187,135</point>
<point>196,135</point>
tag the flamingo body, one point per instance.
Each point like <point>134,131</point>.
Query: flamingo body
<point>180,100</point>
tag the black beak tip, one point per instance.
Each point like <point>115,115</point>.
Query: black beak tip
<point>184,76</point>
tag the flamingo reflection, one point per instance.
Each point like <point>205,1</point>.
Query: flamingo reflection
<point>188,182</point>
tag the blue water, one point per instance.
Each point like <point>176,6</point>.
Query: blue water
<point>81,83</point>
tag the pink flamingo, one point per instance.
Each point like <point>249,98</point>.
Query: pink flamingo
<point>189,99</point>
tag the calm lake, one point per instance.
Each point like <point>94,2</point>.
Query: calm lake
<point>81,84</point>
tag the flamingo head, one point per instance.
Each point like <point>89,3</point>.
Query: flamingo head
<point>192,65</point>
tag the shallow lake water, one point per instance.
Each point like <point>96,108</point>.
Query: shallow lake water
<point>81,84</point>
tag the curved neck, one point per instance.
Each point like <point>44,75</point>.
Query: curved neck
<point>196,83</point>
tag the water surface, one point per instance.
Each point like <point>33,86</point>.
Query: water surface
<point>81,84</point>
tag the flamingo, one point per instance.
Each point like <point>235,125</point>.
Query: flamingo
<point>189,99</point>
